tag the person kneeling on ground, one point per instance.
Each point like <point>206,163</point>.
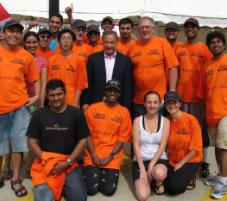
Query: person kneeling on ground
<point>184,147</point>
<point>57,135</point>
<point>150,135</point>
<point>110,127</point>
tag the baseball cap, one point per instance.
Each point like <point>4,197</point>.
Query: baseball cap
<point>172,25</point>
<point>113,84</point>
<point>107,19</point>
<point>192,21</point>
<point>79,23</point>
<point>44,30</point>
<point>93,27</point>
<point>11,23</point>
<point>171,95</point>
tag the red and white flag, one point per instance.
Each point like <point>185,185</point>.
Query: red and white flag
<point>4,15</point>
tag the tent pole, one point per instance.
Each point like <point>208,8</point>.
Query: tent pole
<point>53,7</point>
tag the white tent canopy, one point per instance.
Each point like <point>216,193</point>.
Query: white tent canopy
<point>208,12</point>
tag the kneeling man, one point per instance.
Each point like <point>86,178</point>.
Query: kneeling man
<point>57,136</point>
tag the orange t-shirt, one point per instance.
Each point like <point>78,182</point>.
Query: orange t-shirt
<point>83,50</point>
<point>108,125</point>
<point>72,71</point>
<point>176,45</point>
<point>215,88</point>
<point>185,135</point>
<point>150,61</point>
<point>96,49</point>
<point>17,69</point>
<point>125,47</point>
<point>45,53</point>
<point>191,59</point>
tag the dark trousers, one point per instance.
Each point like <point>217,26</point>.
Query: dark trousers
<point>98,179</point>
<point>176,182</point>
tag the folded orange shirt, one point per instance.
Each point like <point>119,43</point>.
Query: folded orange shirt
<point>41,172</point>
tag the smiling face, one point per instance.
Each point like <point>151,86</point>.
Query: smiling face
<point>125,31</point>
<point>31,44</point>
<point>111,96</point>
<point>216,46</point>
<point>44,40</point>
<point>109,44</point>
<point>171,34</point>
<point>172,106</point>
<point>191,31</point>
<point>54,24</point>
<point>146,29</point>
<point>152,103</point>
<point>12,36</point>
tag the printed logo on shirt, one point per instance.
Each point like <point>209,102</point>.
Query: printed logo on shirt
<point>182,53</point>
<point>209,73</point>
<point>18,61</point>
<point>197,54</point>
<point>71,69</point>
<point>56,127</point>
<point>82,54</point>
<point>117,119</point>
<point>55,67</point>
<point>182,131</point>
<point>153,52</point>
<point>222,68</point>
<point>99,116</point>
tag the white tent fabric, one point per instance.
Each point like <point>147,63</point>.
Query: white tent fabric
<point>208,12</point>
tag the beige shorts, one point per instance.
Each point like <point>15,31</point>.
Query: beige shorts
<point>218,134</point>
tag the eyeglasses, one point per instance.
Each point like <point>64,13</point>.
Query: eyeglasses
<point>44,36</point>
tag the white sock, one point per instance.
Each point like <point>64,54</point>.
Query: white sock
<point>223,180</point>
<point>205,150</point>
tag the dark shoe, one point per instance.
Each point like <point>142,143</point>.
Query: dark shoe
<point>158,189</point>
<point>21,190</point>
<point>2,183</point>
<point>6,175</point>
<point>204,170</point>
<point>191,184</point>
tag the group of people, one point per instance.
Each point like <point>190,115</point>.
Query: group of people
<point>69,96</point>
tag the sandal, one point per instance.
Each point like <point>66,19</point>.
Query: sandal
<point>2,183</point>
<point>6,175</point>
<point>191,184</point>
<point>158,188</point>
<point>21,191</point>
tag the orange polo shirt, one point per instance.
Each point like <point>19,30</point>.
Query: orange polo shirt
<point>108,125</point>
<point>125,47</point>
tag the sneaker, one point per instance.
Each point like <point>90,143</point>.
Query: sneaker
<point>219,191</point>
<point>212,181</point>
<point>204,170</point>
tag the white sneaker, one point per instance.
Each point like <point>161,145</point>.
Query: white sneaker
<point>212,181</point>
<point>219,191</point>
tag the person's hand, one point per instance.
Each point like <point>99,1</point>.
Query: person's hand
<point>60,167</point>
<point>85,107</point>
<point>143,177</point>
<point>106,160</point>
<point>34,23</point>
<point>33,101</point>
<point>178,166</point>
<point>149,170</point>
<point>96,160</point>
<point>69,10</point>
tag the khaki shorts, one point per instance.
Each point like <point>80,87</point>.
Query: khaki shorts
<point>218,134</point>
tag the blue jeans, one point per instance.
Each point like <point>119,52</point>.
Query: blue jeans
<point>73,190</point>
<point>13,128</point>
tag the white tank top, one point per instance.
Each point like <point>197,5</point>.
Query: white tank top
<point>150,142</point>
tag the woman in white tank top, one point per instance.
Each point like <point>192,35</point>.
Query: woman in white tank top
<point>150,135</point>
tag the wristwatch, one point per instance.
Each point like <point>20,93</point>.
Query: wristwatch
<point>113,155</point>
<point>69,162</point>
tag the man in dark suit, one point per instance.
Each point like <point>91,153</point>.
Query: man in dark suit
<point>106,65</point>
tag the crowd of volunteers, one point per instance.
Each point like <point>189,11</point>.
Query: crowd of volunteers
<point>73,97</point>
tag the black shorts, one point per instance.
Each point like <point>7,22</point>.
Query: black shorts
<point>136,169</point>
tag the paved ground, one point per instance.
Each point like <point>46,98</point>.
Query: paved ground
<point>125,190</point>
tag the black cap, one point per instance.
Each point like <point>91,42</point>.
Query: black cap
<point>171,95</point>
<point>191,21</point>
<point>79,23</point>
<point>113,84</point>
<point>44,30</point>
<point>93,27</point>
<point>11,23</point>
<point>107,19</point>
<point>172,25</point>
